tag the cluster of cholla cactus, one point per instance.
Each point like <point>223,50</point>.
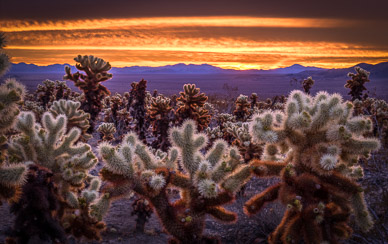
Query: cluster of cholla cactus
<point>191,106</point>
<point>116,112</point>
<point>52,91</point>
<point>12,175</point>
<point>95,71</point>
<point>207,182</point>
<point>4,59</point>
<point>76,117</point>
<point>314,147</point>
<point>307,84</point>
<point>356,84</point>
<point>51,146</point>
<point>242,109</point>
<point>160,113</point>
<point>377,111</point>
<point>242,138</point>
<point>107,131</point>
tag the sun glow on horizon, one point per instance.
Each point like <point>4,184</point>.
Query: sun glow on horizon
<point>232,42</point>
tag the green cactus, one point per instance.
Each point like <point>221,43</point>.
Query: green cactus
<point>49,145</point>
<point>75,117</point>
<point>107,130</point>
<point>96,71</point>
<point>208,181</point>
<point>12,175</point>
<point>322,142</point>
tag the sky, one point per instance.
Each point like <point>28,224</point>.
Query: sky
<point>228,34</point>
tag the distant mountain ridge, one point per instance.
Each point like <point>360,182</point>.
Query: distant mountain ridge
<point>378,70</point>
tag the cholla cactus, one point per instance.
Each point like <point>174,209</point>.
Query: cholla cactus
<point>107,130</point>
<point>34,218</point>
<point>62,91</point>
<point>138,102</point>
<point>96,71</point>
<point>208,181</point>
<point>214,133</point>
<point>377,110</point>
<point>190,106</point>
<point>142,209</point>
<point>241,110</point>
<point>222,120</point>
<point>46,93</point>
<point>323,142</point>
<point>277,103</point>
<point>34,106</point>
<point>243,140</point>
<point>4,59</point>
<point>50,146</point>
<point>356,83</point>
<point>253,99</point>
<point>12,175</point>
<point>52,91</point>
<point>307,84</point>
<point>75,117</point>
<point>160,113</point>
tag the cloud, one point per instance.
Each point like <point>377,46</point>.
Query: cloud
<point>241,42</point>
<point>158,22</point>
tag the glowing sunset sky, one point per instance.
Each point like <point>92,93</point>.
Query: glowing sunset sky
<point>239,35</point>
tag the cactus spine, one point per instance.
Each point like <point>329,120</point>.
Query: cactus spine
<point>12,175</point>
<point>49,145</point>
<point>323,142</point>
<point>208,181</point>
<point>96,71</point>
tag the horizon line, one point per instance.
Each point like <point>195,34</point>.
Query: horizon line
<point>280,67</point>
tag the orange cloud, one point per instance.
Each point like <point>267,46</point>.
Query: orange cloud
<point>157,22</point>
<point>227,42</point>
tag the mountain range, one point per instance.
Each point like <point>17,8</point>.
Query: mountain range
<point>377,70</point>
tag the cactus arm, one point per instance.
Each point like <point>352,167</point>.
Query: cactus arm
<point>276,235</point>
<point>180,180</point>
<point>234,182</point>
<point>267,168</point>
<point>222,214</point>
<point>255,204</point>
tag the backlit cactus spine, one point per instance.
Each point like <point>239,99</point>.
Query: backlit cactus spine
<point>322,142</point>
<point>107,130</point>
<point>76,117</point>
<point>50,146</point>
<point>12,175</point>
<point>96,71</point>
<point>208,182</point>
